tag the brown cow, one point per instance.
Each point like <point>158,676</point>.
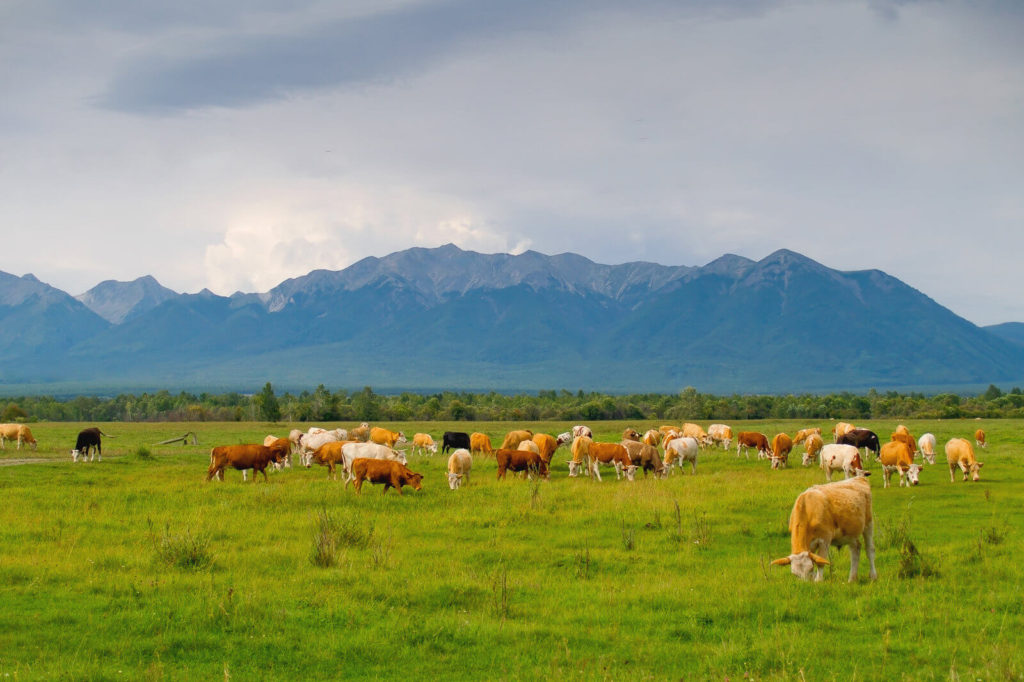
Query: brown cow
<point>520,460</point>
<point>514,438</point>
<point>631,434</point>
<point>897,456</point>
<point>979,438</point>
<point>613,454</point>
<point>802,434</point>
<point>389,472</point>
<point>329,455</point>
<point>480,442</point>
<point>360,433</point>
<point>646,457</point>
<point>547,445</point>
<point>382,436</point>
<point>782,445</point>
<point>752,439</point>
<point>242,457</point>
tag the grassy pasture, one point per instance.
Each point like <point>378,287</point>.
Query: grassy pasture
<point>135,568</point>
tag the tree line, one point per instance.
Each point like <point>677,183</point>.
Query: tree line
<point>323,405</point>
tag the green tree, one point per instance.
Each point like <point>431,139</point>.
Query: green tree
<point>266,404</point>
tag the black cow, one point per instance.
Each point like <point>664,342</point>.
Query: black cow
<point>88,438</point>
<point>861,438</point>
<point>452,440</point>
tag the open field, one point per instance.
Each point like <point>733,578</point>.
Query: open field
<point>135,568</point>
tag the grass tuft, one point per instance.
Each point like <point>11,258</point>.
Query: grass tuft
<point>142,452</point>
<point>325,541</point>
<point>188,551</point>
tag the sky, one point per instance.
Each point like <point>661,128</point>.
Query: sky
<point>232,145</point>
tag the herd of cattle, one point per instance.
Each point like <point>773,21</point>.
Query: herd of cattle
<point>832,514</point>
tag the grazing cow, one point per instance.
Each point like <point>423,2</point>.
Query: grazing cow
<point>546,446</point>
<point>926,443</point>
<point>563,439</point>
<point>631,434</point>
<point>519,460</point>
<point>274,441</point>
<point>314,440</point>
<point>452,440</point>
<point>295,438</point>
<point>696,432</point>
<point>960,453</point>
<point>529,446</point>
<point>360,433</point>
<point>721,434</point>
<point>17,432</point>
<point>652,437</point>
<point>979,438</point>
<point>897,456</point>
<point>514,438</point>
<point>900,428</point>
<point>667,430</point>
<point>831,514</point>
<point>382,436</point>
<point>330,455</point>
<point>679,450</point>
<point>392,474</point>
<point>242,457</point>
<point>802,434</point>
<point>609,453</point>
<point>836,457</point>
<point>460,463</point>
<point>352,451</point>
<point>782,445</point>
<point>581,430</point>
<point>752,439</point>
<point>580,447</point>
<point>424,443</point>
<point>480,442</point>
<point>88,439</point>
<point>645,456</point>
<point>812,446</point>
<point>861,438</point>
<point>839,429</point>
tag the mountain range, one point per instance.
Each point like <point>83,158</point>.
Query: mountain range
<point>445,318</point>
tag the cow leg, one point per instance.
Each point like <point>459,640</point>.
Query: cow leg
<point>596,468</point>
<point>245,475</point>
<point>693,466</point>
<point>854,559</point>
<point>262,471</point>
<point>869,547</point>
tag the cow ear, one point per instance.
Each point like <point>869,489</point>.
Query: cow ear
<point>981,464</point>
<point>818,560</point>
<point>784,561</point>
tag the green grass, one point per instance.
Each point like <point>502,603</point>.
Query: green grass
<point>135,568</point>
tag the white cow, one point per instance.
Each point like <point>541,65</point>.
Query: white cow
<point>830,514</point>
<point>460,463</point>
<point>842,457</point>
<point>681,450</point>
<point>317,437</point>
<point>581,430</point>
<point>354,451</point>
<point>926,444</point>
<point>721,434</point>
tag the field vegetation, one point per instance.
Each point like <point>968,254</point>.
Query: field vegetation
<point>135,568</point>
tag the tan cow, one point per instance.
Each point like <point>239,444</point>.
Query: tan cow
<point>546,446</point>
<point>960,453</point>
<point>905,438</point>
<point>926,444</point>
<point>529,446</point>
<point>721,434</point>
<point>812,446</point>
<point>16,432</point>
<point>514,438</point>
<point>480,442</point>
<point>782,445</point>
<point>902,429</point>
<point>979,438</point>
<point>652,437</point>
<point>897,456</point>
<point>424,443</point>
<point>696,432</point>
<point>840,429</point>
<point>631,434</point>
<point>802,434</point>
<point>382,436</point>
<point>460,463</point>
<point>831,514</point>
<point>645,456</point>
<point>579,449</point>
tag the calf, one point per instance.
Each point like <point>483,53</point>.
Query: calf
<point>242,457</point>
<point>926,443</point>
<point>452,440</point>
<point>752,439</point>
<point>391,473</point>
<point>519,460</point>
<point>960,453</point>
<point>88,439</point>
<point>836,457</point>
<point>830,514</point>
<point>897,456</point>
<point>424,443</point>
<point>460,463</point>
<point>979,438</point>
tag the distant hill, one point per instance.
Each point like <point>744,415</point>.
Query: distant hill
<point>1009,331</point>
<point>448,318</point>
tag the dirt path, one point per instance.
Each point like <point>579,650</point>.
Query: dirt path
<point>23,460</point>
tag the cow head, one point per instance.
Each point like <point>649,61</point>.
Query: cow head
<point>912,474</point>
<point>574,468</point>
<point>778,461</point>
<point>802,564</point>
<point>74,455</point>
<point>928,458</point>
<point>630,472</point>
<point>806,461</point>
<point>400,457</point>
<point>415,480</point>
<point>973,468</point>
<point>454,480</point>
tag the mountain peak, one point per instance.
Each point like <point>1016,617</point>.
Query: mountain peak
<point>119,301</point>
